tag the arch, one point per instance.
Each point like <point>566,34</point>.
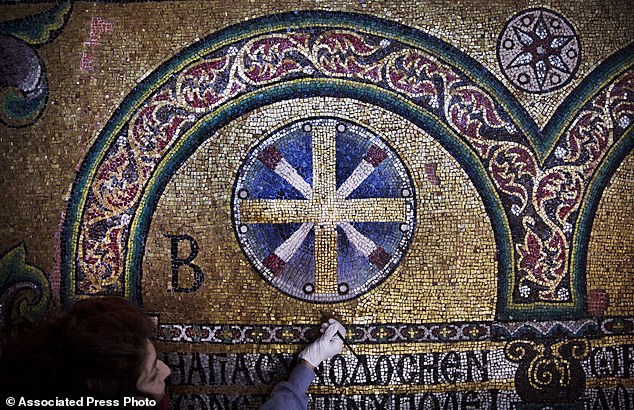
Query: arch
<point>458,84</point>
<point>376,96</point>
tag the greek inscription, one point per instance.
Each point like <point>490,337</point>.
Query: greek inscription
<point>618,398</point>
<point>198,369</point>
<point>469,400</point>
<point>179,263</point>
<point>604,361</point>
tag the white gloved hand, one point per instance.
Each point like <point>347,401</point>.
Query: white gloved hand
<point>328,345</point>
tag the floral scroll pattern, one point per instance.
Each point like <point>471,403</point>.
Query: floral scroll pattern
<point>541,196</point>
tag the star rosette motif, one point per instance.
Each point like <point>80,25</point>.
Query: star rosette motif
<point>538,51</point>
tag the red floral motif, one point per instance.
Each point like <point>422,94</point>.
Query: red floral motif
<point>417,71</point>
<point>622,87</point>
<point>531,254</point>
<point>153,131</point>
<point>198,85</point>
<point>116,185</point>
<point>621,110</point>
<point>565,187</point>
<point>410,84</point>
<point>590,135</point>
<point>470,109</point>
<point>510,164</point>
<point>270,58</point>
<point>101,260</point>
<point>337,53</point>
<point>164,95</point>
<point>409,78</point>
<point>543,263</point>
<point>340,41</point>
<point>620,98</point>
<point>96,212</point>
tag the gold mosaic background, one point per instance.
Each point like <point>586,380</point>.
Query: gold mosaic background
<point>38,163</point>
<point>449,273</point>
<point>611,252</point>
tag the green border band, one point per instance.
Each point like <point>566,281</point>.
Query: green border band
<point>179,153</point>
<point>541,142</point>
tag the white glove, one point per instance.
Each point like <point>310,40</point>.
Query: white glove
<point>328,345</point>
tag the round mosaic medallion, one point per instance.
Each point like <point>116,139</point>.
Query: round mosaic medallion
<point>324,209</point>
<point>538,50</point>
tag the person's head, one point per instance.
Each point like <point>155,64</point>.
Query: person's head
<point>100,347</point>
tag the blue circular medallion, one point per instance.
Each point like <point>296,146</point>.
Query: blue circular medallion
<point>324,209</point>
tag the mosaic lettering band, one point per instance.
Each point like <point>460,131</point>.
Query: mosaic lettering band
<point>325,208</point>
<point>485,378</point>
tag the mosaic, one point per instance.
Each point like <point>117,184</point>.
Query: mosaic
<point>538,51</point>
<point>24,80</point>
<point>209,196</point>
<point>538,271</point>
<point>452,182</point>
<point>356,216</point>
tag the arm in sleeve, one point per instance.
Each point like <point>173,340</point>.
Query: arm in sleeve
<point>163,404</point>
<point>291,394</point>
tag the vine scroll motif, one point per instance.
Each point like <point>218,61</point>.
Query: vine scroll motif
<point>541,200</point>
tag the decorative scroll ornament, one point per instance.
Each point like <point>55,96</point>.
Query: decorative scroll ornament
<point>23,80</point>
<point>25,291</point>
<point>541,197</point>
<point>549,372</point>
